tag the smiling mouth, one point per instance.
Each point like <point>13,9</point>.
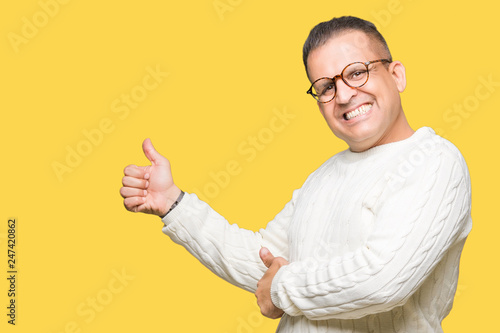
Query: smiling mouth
<point>358,112</point>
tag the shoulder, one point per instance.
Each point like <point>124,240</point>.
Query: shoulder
<point>431,162</point>
<point>437,147</point>
<point>424,158</point>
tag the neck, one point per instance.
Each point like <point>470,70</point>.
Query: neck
<point>400,130</point>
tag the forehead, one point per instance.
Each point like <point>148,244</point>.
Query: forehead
<point>339,51</point>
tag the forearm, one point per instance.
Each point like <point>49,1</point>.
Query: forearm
<point>230,252</point>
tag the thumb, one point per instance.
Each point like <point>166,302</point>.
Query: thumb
<point>266,256</point>
<point>153,156</point>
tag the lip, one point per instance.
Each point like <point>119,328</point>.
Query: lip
<point>343,115</point>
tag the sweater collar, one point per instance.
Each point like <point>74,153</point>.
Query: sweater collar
<point>420,134</point>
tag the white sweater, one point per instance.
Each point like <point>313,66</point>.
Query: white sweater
<point>373,240</point>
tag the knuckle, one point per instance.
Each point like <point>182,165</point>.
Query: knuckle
<point>127,207</point>
<point>129,204</point>
<point>281,261</point>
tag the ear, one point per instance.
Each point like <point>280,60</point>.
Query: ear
<point>398,73</point>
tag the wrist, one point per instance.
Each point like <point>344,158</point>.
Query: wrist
<point>275,288</point>
<point>173,198</point>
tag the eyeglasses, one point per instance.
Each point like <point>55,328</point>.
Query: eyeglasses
<point>355,75</point>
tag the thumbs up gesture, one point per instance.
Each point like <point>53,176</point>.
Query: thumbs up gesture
<point>263,292</point>
<point>149,189</point>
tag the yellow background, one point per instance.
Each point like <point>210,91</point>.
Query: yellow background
<point>227,72</point>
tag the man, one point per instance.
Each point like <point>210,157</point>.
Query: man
<point>372,240</point>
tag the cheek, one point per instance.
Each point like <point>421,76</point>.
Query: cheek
<point>327,112</point>
<point>323,109</point>
<point>392,100</point>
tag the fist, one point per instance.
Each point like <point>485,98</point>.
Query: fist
<point>149,189</point>
<point>263,292</point>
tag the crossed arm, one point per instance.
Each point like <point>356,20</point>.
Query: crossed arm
<point>375,278</point>
<point>151,190</point>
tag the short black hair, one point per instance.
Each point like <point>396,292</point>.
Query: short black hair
<point>322,32</point>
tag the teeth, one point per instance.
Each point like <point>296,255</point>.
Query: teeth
<point>359,111</point>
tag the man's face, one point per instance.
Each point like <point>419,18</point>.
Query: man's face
<point>381,119</point>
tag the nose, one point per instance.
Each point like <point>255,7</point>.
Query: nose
<point>344,93</point>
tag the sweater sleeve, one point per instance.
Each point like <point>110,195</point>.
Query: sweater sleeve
<point>415,225</point>
<point>230,252</point>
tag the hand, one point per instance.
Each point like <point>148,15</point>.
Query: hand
<point>263,293</point>
<point>149,189</point>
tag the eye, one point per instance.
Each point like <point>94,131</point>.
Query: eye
<point>356,75</point>
<point>329,87</point>
<point>324,86</point>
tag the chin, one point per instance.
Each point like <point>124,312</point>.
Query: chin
<point>362,142</point>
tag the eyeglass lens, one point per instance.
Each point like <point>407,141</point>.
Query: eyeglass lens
<point>354,75</point>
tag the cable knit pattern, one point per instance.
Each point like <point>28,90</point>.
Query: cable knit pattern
<point>373,240</point>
